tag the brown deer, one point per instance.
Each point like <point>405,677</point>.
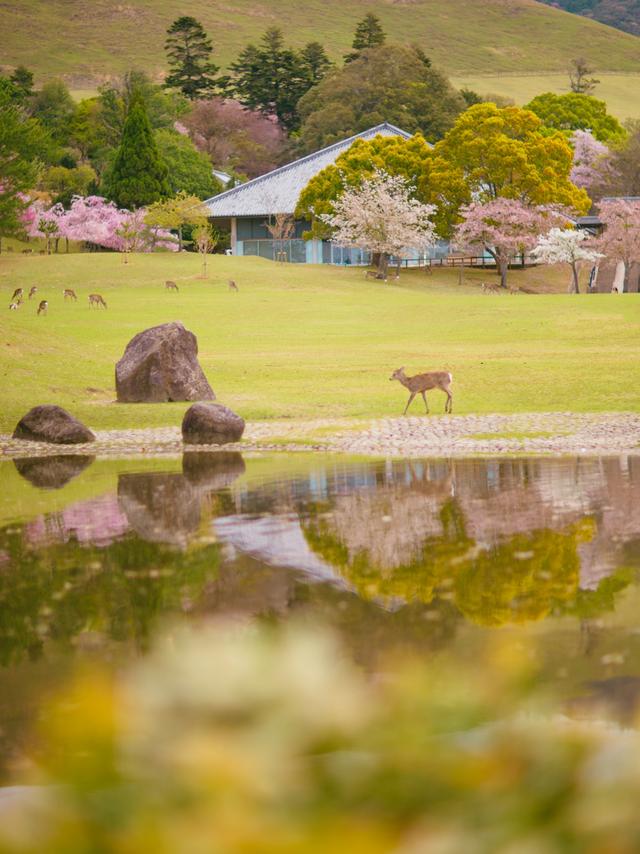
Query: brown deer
<point>97,300</point>
<point>42,308</point>
<point>171,286</point>
<point>514,291</point>
<point>69,293</point>
<point>233,286</point>
<point>17,293</point>
<point>489,289</point>
<point>33,291</point>
<point>422,383</point>
<point>14,306</point>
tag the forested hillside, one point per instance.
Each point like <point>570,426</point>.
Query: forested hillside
<point>623,14</point>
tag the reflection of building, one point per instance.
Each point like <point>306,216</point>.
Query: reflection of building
<point>248,209</point>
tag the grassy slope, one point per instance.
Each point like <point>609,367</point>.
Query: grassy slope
<point>312,342</point>
<point>89,39</point>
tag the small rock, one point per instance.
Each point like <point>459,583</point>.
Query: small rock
<point>211,424</point>
<point>49,423</point>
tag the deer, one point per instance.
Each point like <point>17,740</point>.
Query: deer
<point>14,306</point>
<point>69,293</point>
<point>514,291</point>
<point>233,286</point>
<point>17,293</point>
<point>489,289</point>
<point>422,383</point>
<point>171,286</point>
<point>97,300</point>
<point>42,308</point>
<point>33,291</point>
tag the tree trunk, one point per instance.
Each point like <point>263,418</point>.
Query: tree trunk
<point>383,265</point>
<point>503,269</point>
<point>67,245</point>
<point>574,288</point>
<point>180,238</point>
<point>57,243</point>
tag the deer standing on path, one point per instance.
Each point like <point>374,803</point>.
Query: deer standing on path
<point>233,286</point>
<point>171,286</point>
<point>97,300</point>
<point>422,383</point>
<point>42,308</point>
<point>33,291</point>
<point>17,293</point>
<point>69,293</point>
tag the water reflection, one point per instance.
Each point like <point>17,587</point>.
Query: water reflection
<point>52,472</point>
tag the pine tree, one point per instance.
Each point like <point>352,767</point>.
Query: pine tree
<point>22,79</point>
<point>189,56</point>
<point>369,33</point>
<point>315,62</point>
<point>138,176</point>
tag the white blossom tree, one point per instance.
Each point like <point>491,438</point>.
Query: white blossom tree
<point>564,246</point>
<point>381,216</point>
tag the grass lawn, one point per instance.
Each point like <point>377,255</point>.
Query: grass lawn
<point>313,342</point>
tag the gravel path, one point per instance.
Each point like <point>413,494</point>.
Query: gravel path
<point>447,436</point>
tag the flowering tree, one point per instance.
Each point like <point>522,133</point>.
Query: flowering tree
<point>564,246</point>
<point>620,240</point>
<point>593,168</point>
<point>504,228</point>
<point>381,216</point>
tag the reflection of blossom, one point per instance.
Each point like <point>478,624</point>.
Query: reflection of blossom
<point>96,522</point>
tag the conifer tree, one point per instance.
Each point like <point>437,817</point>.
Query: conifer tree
<point>139,176</point>
<point>369,33</point>
<point>189,55</point>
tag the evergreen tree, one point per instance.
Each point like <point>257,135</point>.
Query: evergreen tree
<point>22,79</point>
<point>138,176</point>
<point>272,78</point>
<point>315,62</point>
<point>369,33</point>
<point>189,55</point>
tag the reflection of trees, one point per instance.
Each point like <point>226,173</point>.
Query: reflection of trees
<point>57,592</point>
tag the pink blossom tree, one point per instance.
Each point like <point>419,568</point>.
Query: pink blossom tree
<point>47,223</point>
<point>593,168</point>
<point>504,228</point>
<point>382,217</point>
<point>620,239</point>
<point>565,246</point>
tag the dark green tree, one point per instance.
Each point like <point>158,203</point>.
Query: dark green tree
<point>138,175</point>
<point>189,169</point>
<point>22,79</point>
<point>54,107</point>
<point>272,78</point>
<point>315,62</point>
<point>189,52</point>
<point>369,33</point>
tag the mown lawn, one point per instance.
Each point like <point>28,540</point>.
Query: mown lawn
<point>313,342</point>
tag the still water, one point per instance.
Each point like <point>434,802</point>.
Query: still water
<point>429,556</point>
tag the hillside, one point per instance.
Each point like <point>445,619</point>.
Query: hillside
<point>89,40</point>
<point>623,14</point>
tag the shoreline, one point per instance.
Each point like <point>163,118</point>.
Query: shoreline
<point>531,434</point>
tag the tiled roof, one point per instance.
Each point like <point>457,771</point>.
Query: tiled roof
<point>278,191</point>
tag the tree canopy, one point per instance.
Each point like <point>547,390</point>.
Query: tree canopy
<point>575,111</point>
<point>369,33</point>
<point>190,170</point>
<point>391,83</point>
<point>189,56</point>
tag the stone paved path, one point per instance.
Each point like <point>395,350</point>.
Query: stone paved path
<point>454,435</point>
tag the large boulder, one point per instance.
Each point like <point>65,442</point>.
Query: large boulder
<point>161,364</point>
<point>49,423</point>
<point>211,424</point>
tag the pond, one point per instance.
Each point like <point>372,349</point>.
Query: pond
<point>430,556</point>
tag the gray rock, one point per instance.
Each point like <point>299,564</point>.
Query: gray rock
<point>49,423</point>
<point>211,424</point>
<point>161,364</point>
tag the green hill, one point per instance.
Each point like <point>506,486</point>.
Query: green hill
<point>87,41</point>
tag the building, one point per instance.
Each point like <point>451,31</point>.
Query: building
<point>609,276</point>
<point>245,210</point>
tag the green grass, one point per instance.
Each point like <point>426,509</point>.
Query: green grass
<point>313,342</point>
<point>620,91</point>
<point>89,40</point>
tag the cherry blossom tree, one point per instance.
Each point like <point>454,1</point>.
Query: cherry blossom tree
<point>381,216</point>
<point>593,169</point>
<point>565,246</point>
<point>504,228</point>
<point>620,239</point>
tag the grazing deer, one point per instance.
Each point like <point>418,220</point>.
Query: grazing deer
<point>97,300</point>
<point>233,286</point>
<point>17,293</point>
<point>422,383</point>
<point>489,289</point>
<point>42,308</point>
<point>27,251</point>
<point>33,291</point>
<point>14,306</point>
<point>514,291</point>
<point>171,286</point>
<point>42,252</point>
<point>69,293</point>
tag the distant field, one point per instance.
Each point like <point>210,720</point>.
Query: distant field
<point>313,342</point>
<point>89,40</point>
<point>620,91</point>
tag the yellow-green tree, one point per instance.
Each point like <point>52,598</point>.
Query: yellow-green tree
<point>176,213</point>
<point>493,152</point>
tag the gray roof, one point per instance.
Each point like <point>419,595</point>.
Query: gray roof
<point>278,191</point>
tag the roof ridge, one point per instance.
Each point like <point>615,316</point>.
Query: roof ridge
<point>307,157</point>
